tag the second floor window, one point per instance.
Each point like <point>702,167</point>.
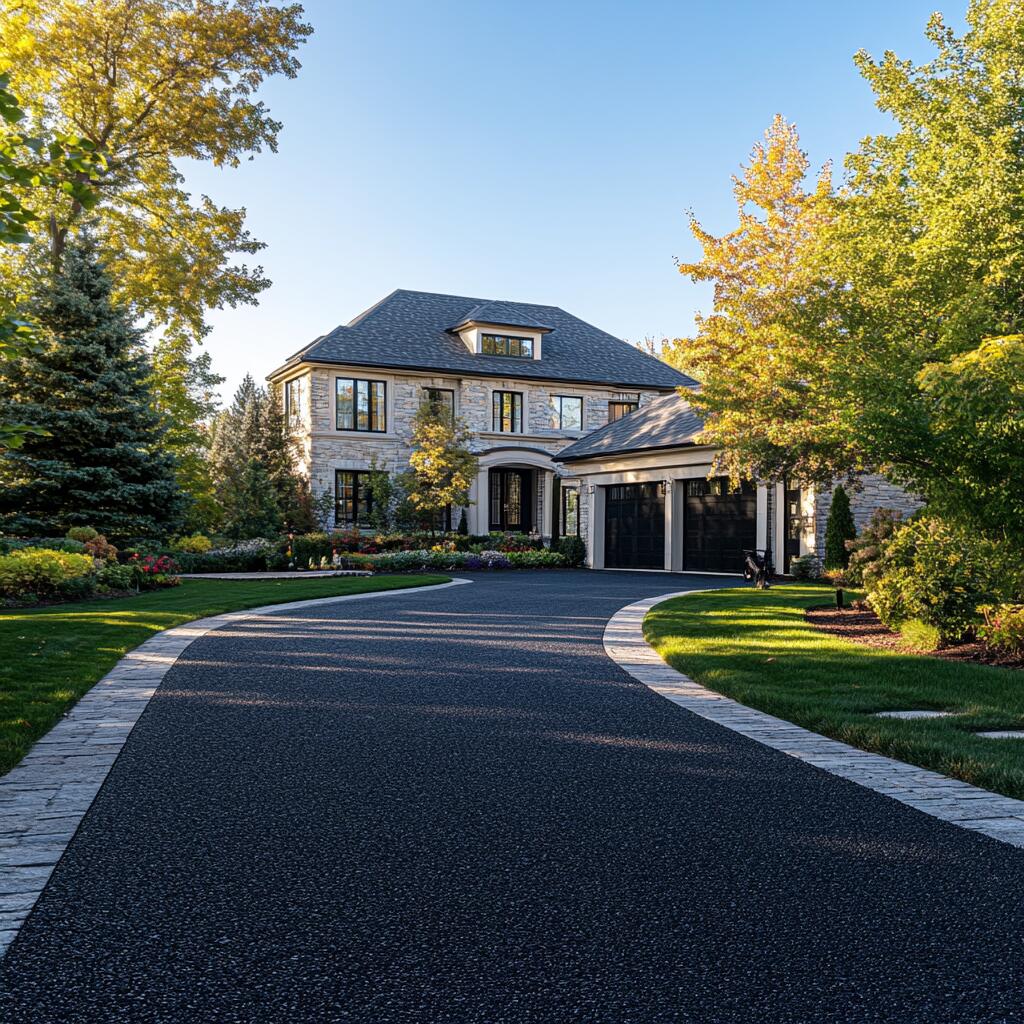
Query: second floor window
<point>507,412</point>
<point>618,409</point>
<point>293,402</point>
<point>566,412</point>
<point>361,404</point>
<point>505,345</point>
<point>442,399</point>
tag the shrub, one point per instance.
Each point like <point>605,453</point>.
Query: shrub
<point>153,571</point>
<point>838,530</point>
<point>81,533</point>
<point>40,572</point>
<point>935,573</point>
<point>196,544</point>
<point>804,568</point>
<point>463,528</point>
<point>1003,629</point>
<point>113,576</point>
<point>99,547</point>
<point>867,549</point>
<point>536,560</point>
<point>573,550</point>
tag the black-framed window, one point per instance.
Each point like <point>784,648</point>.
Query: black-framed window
<point>442,399</point>
<point>507,412</point>
<point>621,407</point>
<point>293,401</point>
<point>566,412</point>
<point>361,404</point>
<point>353,500</point>
<point>506,345</point>
<point>570,521</point>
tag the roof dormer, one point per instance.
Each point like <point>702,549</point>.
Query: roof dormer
<point>500,329</point>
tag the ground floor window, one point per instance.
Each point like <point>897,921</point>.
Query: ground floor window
<point>353,500</point>
<point>569,525</point>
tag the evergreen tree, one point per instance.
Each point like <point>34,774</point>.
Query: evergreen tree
<point>102,460</point>
<point>252,457</point>
<point>838,530</point>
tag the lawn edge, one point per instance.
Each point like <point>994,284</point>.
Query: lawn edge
<point>45,796</point>
<point>950,800</point>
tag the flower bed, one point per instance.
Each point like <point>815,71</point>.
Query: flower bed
<point>73,569</point>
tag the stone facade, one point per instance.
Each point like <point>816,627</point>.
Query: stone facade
<point>868,493</point>
<point>325,449</point>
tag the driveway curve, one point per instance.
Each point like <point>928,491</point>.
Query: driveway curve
<point>452,807</point>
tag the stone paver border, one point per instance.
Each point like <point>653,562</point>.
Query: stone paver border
<point>44,798</point>
<point>951,800</point>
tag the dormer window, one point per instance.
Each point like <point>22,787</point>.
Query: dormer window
<point>506,345</point>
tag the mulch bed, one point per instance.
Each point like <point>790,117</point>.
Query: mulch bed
<point>863,627</point>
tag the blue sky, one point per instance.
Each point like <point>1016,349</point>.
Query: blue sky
<point>541,152</point>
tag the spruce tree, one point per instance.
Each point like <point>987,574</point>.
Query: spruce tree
<point>98,458</point>
<point>838,530</point>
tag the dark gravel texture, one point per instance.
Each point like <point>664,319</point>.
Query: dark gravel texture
<point>451,808</point>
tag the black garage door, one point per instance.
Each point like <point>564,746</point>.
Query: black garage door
<point>718,524</point>
<point>634,526</point>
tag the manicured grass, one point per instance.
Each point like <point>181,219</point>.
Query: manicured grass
<point>756,647</point>
<point>50,656</point>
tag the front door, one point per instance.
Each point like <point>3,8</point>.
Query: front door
<point>510,497</point>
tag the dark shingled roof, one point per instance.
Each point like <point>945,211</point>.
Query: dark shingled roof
<point>413,330</point>
<point>667,422</point>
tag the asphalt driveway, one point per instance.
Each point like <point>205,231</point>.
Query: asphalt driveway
<point>450,807</point>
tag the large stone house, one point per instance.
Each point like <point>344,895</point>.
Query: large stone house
<point>577,432</point>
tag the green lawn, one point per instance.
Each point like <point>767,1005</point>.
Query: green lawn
<point>756,647</point>
<point>50,656</point>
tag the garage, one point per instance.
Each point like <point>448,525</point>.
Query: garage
<point>634,526</point>
<point>718,524</point>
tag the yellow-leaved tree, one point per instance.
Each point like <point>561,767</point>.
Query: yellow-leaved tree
<point>759,355</point>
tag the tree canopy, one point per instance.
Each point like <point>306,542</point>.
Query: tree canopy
<point>845,324</point>
<point>152,82</point>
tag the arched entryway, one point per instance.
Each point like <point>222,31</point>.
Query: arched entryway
<point>514,491</point>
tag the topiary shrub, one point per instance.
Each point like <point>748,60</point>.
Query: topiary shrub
<point>838,530</point>
<point>804,568</point>
<point>573,550</point>
<point>82,533</point>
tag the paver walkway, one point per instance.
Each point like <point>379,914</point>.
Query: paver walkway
<point>453,807</point>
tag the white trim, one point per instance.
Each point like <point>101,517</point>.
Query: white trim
<point>950,800</point>
<point>44,798</point>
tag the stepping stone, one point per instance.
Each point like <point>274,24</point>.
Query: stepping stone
<point>914,714</point>
<point>1003,734</point>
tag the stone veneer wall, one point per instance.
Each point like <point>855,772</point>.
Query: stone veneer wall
<point>870,492</point>
<point>324,449</point>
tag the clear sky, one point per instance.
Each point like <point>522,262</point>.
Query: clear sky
<point>535,151</point>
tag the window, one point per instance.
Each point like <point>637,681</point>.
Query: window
<point>293,401</point>
<point>361,404</point>
<point>507,412</point>
<point>505,345</point>
<point>353,500</point>
<point>570,526</point>
<point>566,412</point>
<point>622,407</point>
<point>442,399</point>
